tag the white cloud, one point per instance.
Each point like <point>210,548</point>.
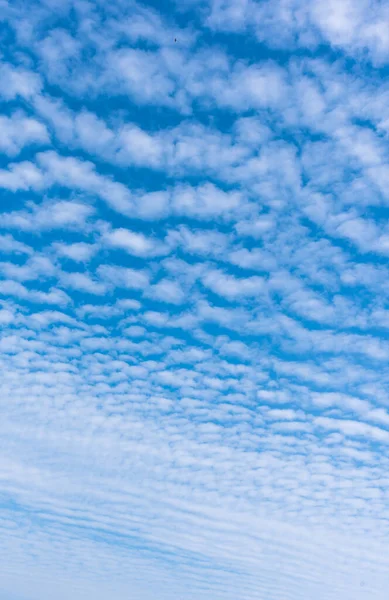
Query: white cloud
<point>135,331</point>
<point>49,215</point>
<point>108,311</point>
<point>79,251</point>
<point>8,245</point>
<point>6,316</point>
<point>18,131</point>
<point>233,287</point>
<point>16,81</point>
<point>354,428</point>
<point>124,277</point>
<point>167,291</point>
<point>21,176</point>
<point>256,228</point>
<point>16,289</point>
<point>75,173</point>
<point>143,75</point>
<point>68,172</point>
<point>82,282</point>
<point>206,201</point>
<point>199,241</point>
<point>354,27</point>
<point>193,288</point>
<point>130,241</point>
<point>36,267</point>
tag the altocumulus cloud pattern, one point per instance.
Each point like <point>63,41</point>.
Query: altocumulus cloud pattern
<point>194,300</point>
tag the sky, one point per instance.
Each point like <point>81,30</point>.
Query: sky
<point>194,292</point>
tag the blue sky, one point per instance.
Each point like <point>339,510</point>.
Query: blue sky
<point>194,300</point>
